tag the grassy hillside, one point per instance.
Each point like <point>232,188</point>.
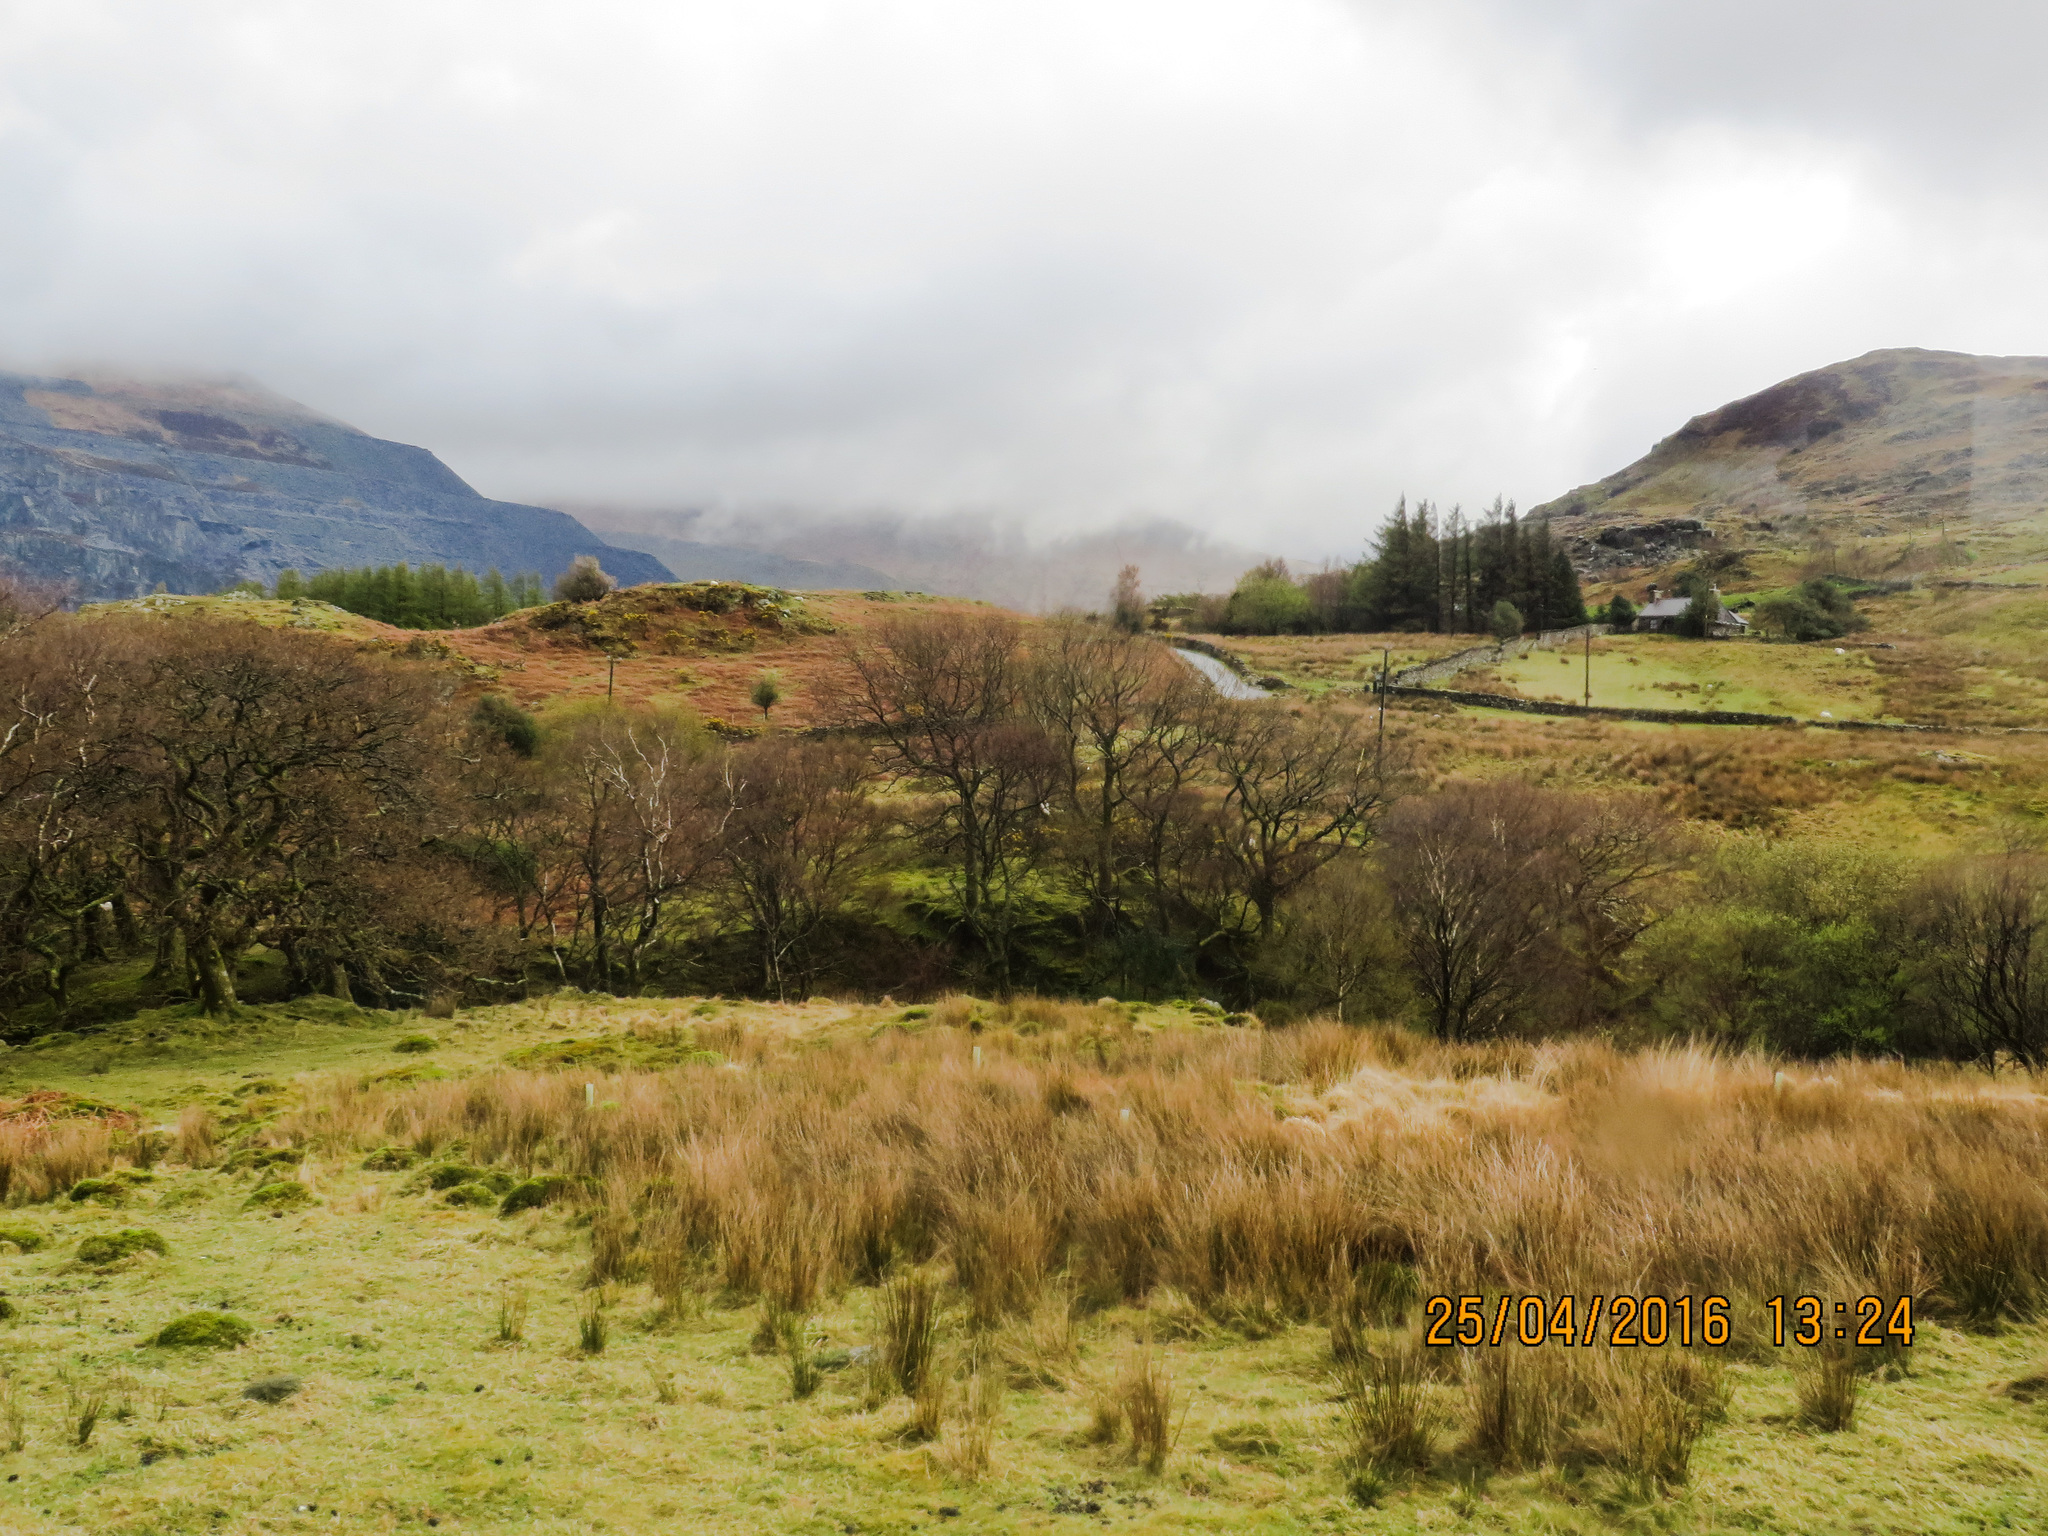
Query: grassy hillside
<point>1899,441</point>
<point>386,1302</point>
<point>704,642</point>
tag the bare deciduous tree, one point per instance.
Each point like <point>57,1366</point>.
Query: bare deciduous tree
<point>1504,890</point>
<point>1468,868</point>
<point>1338,945</point>
<point>796,834</point>
<point>1129,722</point>
<point>238,748</point>
<point>943,694</point>
<point>1985,932</point>
<point>1298,788</point>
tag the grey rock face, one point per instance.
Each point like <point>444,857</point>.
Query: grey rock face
<point>113,486</point>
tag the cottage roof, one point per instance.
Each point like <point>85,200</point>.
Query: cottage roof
<point>1672,607</point>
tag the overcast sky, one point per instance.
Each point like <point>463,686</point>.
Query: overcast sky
<point>1261,265</point>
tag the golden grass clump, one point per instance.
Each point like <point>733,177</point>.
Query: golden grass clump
<point>1069,1158</point>
<point>1144,1399</point>
<point>1392,1415</point>
<point>41,1160</point>
<point>907,1321</point>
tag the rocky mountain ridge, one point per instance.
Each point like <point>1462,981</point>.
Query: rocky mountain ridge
<point>1890,443</point>
<point>111,486</point>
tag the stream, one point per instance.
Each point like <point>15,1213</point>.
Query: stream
<point>1225,681</point>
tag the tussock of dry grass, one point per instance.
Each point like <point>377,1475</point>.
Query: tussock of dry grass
<point>996,1181</point>
<point>1257,1168</point>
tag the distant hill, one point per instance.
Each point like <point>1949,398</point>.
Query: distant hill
<point>1891,443</point>
<point>115,485</point>
<point>968,554</point>
<point>692,560</point>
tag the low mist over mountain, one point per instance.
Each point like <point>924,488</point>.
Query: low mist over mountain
<point>113,485</point>
<point>1892,442</point>
<point>961,556</point>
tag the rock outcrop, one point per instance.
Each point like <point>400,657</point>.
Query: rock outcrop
<point>111,486</point>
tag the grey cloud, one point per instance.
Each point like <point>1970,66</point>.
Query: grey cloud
<point>1949,91</point>
<point>1259,267</point>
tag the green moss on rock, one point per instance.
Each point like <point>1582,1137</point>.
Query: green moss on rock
<point>285,1195</point>
<point>112,1247</point>
<point>535,1193</point>
<point>204,1330</point>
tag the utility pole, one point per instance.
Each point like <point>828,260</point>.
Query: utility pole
<point>1589,666</point>
<point>611,672</point>
<point>1381,750</point>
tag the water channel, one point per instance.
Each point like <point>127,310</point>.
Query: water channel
<point>1225,681</point>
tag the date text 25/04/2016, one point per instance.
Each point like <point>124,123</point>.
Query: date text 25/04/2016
<point>1868,1322</point>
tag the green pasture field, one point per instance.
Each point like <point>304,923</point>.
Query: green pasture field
<point>412,1414</point>
<point>1666,672</point>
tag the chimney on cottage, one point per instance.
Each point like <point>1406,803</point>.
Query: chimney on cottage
<point>1653,591</point>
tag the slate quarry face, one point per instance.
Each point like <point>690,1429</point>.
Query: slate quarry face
<point>112,486</point>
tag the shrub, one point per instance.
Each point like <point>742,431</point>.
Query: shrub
<point>471,1195</point>
<point>497,716</point>
<point>390,1160</point>
<point>112,1247</point>
<point>204,1330</point>
<point>285,1195</point>
<point>584,582</point>
<point>535,1193</point>
<point>413,1045</point>
<point>27,1239</point>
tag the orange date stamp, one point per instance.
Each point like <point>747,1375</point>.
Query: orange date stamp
<point>1652,1322</point>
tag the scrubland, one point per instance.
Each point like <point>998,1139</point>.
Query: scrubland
<point>585,1263</point>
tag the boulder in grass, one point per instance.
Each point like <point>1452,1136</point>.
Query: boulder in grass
<point>472,1195</point>
<point>204,1330</point>
<point>271,1389</point>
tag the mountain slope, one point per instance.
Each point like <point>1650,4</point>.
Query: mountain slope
<point>1889,443</point>
<point>114,485</point>
<point>693,560</point>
